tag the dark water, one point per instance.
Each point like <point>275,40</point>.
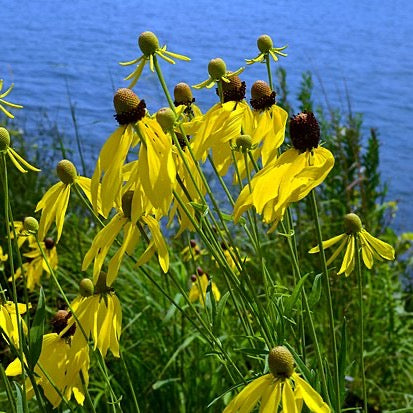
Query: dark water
<point>48,47</point>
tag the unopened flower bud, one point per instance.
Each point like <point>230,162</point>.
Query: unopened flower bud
<point>264,43</point>
<point>262,97</point>
<point>86,287</point>
<point>243,143</point>
<point>193,278</point>
<point>31,224</point>
<point>281,362</point>
<point>304,131</point>
<point>183,94</point>
<point>129,108</point>
<point>127,203</point>
<point>148,43</point>
<point>166,118</point>
<point>66,171</point>
<point>352,223</point>
<point>217,68</point>
<point>4,139</point>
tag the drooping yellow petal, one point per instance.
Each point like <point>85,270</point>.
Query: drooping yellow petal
<point>288,400</point>
<point>349,257</point>
<point>23,161</point>
<point>328,243</point>
<point>271,398</point>
<point>385,250</point>
<point>311,398</point>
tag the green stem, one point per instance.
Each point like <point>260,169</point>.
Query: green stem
<point>327,289</point>
<point>361,325</point>
<point>267,63</point>
<point>163,84</point>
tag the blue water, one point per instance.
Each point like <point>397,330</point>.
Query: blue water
<point>48,46</point>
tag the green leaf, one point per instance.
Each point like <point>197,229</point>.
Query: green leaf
<point>342,355</point>
<point>290,302</point>
<point>315,293</point>
<point>19,398</point>
<point>216,322</point>
<point>37,331</point>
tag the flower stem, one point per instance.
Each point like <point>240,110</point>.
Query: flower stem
<point>326,283</point>
<point>361,325</point>
<point>267,63</point>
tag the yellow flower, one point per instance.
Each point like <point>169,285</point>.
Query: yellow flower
<point>99,312</point>
<point>149,45</point>
<point>371,247</point>
<point>217,70</point>
<point>7,103</point>
<point>55,201</point>
<point>193,252</point>
<point>290,177</point>
<point>282,385</point>
<point>22,234</point>
<point>266,47</point>
<point>199,287</point>
<point>9,321</point>
<point>17,160</point>
<point>106,236</point>
<point>184,102</point>
<point>34,268</point>
<point>63,362</point>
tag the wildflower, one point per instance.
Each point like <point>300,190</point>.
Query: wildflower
<point>371,247</point>
<point>3,258</point>
<point>55,201</point>
<point>34,268</point>
<point>192,252</point>
<point>22,234</point>
<point>62,365</point>
<point>184,102</point>
<point>98,311</point>
<point>200,283</point>
<point>282,384</point>
<point>217,70</point>
<point>149,45</point>
<point>266,47</point>
<point>4,102</point>
<point>290,177</point>
<point>106,236</point>
<point>17,160</point>
<point>9,320</point>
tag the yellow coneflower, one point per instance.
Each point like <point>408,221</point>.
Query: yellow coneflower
<point>266,47</point>
<point>106,236</point>
<point>371,247</point>
<point>4,102</point>
<point>9,320</point>
<point>282,385</point>
<point>200,282</point>
<point>184,102</point>
<point>55,201</point>
<point>6,149</point>
<point>62,365</point>
<point>149,45</point>
<point>290,177</point>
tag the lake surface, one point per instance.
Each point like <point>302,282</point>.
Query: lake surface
<point>49,47</point>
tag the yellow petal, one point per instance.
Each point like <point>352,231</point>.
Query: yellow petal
<point>385,250</point>
<point>349,257</point>
<point>288,399</point>
<point>311,398</point>
<point>328,243</point>
<point>271,398</point>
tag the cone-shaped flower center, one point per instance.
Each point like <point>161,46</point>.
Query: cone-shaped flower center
<point>183,94</point>
<point>59,323</point>
<point>49,243</point>
<point>128,107</point>
<point>217,68</point>
<point>234,90</point>
<point>31,224</point>
<point>352,223</point>
<point>4,139</point>
<point>262,97</point>
<point>148,43</point>
<point>264,43</point>
<point>281,362</point>
<point>127,203</point>
<point>304,131</point>
<point>66,172</point>
<point>166,118</point>
<point>243,143</point>
<point>86,287</point>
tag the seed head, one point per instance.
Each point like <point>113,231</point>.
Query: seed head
<point>193,278</point>
<point>31,224</point>
<point>262,97</point>
<point>166,118</point>
<point>234,90</point>
<point>148,43</point>
<point>86,287</point>
<point>183,94</point>
<point>264,43</point>
<point>127,203</point>
<point>304,131</point>
<point>281,362</point>
<point>49,243</point>
<point>217,68</point>
<point>352,223</point>
<point>59,323</point>
<point>66,172</point>
<point>128,107</point>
